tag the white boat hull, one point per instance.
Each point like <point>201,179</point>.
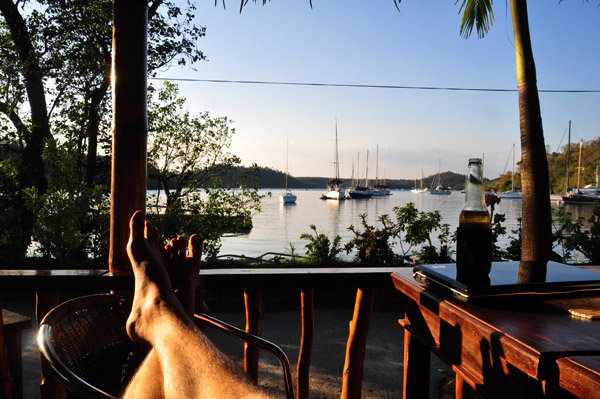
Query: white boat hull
<point>335,195</point>
<point>511,195</point>
<point>381,192</point>
<point>287,198</point>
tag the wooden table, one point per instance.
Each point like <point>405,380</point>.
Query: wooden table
<point>507,349</point>
<point>14,324</point>
<point>580,375</point>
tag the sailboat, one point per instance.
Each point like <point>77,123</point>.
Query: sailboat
<point>419,190</point>
<point>577,196</point>
<point>513,193</point>
<point>362,192</point>
<point>379,189</point>
<point>334,186</point>
<point>287,197</point>
<point>592,189</point>
<point>439,189</point>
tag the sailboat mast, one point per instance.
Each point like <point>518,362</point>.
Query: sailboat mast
<point>336,160</point>
<point>287,147</point>
<point>568,157</point>
<point>367,171</point>
<point>512,175</point>
<point>353,163</point>
<point>377,166</point>
<point>358,169</point>
<point>579,167</point>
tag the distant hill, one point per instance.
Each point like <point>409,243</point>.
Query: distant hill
<point>557,165</point>
<point>271,178</point>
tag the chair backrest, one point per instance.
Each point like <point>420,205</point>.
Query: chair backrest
<point>85,342</point>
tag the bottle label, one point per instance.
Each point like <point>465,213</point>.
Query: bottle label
<point>473,255</point>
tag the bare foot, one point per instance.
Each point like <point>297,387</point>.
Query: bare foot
<point>184,269</point>
<point>153,295</point>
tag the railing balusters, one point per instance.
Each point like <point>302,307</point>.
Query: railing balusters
<point>357,340</point>
<point>306,342</point>
<point>254,315</point>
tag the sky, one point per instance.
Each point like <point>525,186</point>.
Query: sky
<point>371,43</point>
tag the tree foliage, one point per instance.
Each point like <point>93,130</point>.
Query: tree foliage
<point>55,60</point>
<point>72,222</point>
<point>190,155</point>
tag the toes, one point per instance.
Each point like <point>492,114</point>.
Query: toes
<point>195,247</point>
<point>137,224</point>
<point>136,234</point>
<point>181,244</point>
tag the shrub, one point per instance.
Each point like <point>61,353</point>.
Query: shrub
<point>372,244</point>
<point>320,249</point>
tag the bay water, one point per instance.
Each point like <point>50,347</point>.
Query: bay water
<point>279,226</point>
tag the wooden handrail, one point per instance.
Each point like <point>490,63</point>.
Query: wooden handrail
<point>213,278</point>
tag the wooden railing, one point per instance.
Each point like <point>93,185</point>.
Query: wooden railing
<point>48,283</point>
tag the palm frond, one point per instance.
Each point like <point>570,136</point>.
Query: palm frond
<point>478,14</point>
<point>244,2</point>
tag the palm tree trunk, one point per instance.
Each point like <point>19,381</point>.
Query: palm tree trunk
<point>537,233</point>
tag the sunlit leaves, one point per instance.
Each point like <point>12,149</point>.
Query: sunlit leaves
<point>476,14</point>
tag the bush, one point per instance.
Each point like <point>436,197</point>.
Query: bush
<point>14,239</point>
<point>72,219</point>
<point>373,245</point>
<point>320,249</point>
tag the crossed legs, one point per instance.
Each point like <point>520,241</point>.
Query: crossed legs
<point>182,363</point>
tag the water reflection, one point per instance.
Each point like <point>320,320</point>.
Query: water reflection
<point>277,225</point>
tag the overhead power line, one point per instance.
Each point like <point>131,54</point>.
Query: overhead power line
<point>368,86</point>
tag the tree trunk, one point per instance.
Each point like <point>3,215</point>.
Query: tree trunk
<point>93,126</point>
<point>537,233</point>
<point>31,168</point>
<point>32,164</point>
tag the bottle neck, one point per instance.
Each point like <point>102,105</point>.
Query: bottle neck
<point>474,194</point>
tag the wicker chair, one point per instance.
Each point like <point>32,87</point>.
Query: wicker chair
<point>85,342</point>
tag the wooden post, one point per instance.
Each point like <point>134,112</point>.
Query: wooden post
<point>130,125</point>
<point>357,340</point>
<point>5,378</point>
<point>254,317</point>
<point>463,390</point>
<point>50,387</point>
<point>306,343</point>
<point>417,360</point>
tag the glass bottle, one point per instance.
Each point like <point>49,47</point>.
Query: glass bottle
<point>474,233</point>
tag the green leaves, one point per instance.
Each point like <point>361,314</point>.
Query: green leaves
<point>476,13</point>
<point>320,249</point>
<point>573,235</point>
<point>372,244</point>
<point>189,154</point>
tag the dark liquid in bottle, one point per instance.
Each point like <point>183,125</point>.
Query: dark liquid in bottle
<point>473,248</point>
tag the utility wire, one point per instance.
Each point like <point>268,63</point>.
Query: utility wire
<point>369,86</point>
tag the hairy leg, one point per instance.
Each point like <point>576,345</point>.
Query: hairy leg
<point>189,364</point>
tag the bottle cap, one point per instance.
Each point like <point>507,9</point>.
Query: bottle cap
<point>475,160</point>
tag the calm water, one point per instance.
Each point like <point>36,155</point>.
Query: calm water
<point>278,225</point>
